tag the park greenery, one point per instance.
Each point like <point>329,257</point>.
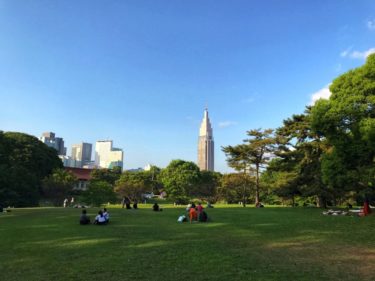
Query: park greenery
<point>24,163</point>
<point>323,156</point>
<point>272,243</point>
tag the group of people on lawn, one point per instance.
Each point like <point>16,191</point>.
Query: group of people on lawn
<point>126,203</point>
<point>101,219</point>
<point>196,213</point>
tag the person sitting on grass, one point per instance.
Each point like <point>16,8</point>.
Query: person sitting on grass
<point>156,207</point>
<point>106,215</point>
<point>366,210</point>
<point>202,216</point>
<point>199,208</point>
<point>100,219</point>
<point>127,203</point>
<point>84,219</point>
<point>193,215</point>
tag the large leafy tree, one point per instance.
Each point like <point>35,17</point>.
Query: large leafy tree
<point>107,175</point>
<point>253,155</point>
<point>347,121</point>
<point>58,186</point>
<point>133,184</point>
<point>179,179</point>
<point>99,192</point>
<point>154,177</point>
<point>236,187</point>
<point>24,163</point>
<point>206,188</point>
<point>297,169</point>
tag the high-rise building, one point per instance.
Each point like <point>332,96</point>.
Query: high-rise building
<point>107,156</point>
<point>51,140</point>
<point>82,153</point>
<point>206,145</point>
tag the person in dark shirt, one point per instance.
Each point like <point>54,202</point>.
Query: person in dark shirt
<point>84,219</point>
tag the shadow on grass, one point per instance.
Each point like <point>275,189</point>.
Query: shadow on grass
<point>239,244</point>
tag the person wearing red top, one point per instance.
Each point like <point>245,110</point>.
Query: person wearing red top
<point>366,208</point>
<point>193,214</point>
<point>199,208</point>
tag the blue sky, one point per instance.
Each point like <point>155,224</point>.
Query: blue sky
<point>141,72</point>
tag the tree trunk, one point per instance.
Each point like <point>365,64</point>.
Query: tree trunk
<point>257,186</point>
<point>244,196</point>
<point>321,202</point>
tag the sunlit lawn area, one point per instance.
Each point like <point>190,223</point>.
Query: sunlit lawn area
<point>238,244</point>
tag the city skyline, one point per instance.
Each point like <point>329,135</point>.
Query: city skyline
<point>140,72</point>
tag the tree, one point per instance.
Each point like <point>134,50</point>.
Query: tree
<point>24,163</point>
<point>297,169</point>
<point>108,175</point>
<point>347,122</point>
<point>253,155</point>
<point>99,192</point>
<point>133,184</point>
<point>58,186</point>
<point>236,187</point>
<point>206,188</point>
<point>179,179</point>
<point>154,175</point>
<point>281,181</point>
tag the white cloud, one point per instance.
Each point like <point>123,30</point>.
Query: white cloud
<point>225,124</point>
<point>321,94</point>
<point>346,52</point>
<point>362,55</point>
<point>357,54</point>
<point>371,24</point>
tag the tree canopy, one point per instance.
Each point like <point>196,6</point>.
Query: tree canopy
<point>24,163</point>
<point>179,178</point>
<point>58,185</point>
<point>134,184</point>
<point>251,156</point>
<point>347,122</point>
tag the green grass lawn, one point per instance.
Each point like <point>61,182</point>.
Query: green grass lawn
<point>238,244</point>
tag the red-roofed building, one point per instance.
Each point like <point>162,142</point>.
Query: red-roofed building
<point>83,176</point>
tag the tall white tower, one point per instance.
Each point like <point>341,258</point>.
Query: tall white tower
<point>206,145</point>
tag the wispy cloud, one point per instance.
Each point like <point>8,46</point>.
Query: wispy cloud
<point>225,124</point>
<point>251,98</point>
<point>346,52</point>
<point>321,94</point>
<point>371,24</point>
<point>357,54</point>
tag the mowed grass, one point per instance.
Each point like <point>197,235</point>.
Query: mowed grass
<point>237,244</point>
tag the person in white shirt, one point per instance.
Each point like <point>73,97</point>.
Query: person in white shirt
<point>100,219</point>
<point>106,215</point>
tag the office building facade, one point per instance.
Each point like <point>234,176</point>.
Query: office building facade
<point>82,153</point>
<point>106,156</point>
<point>50,139</point>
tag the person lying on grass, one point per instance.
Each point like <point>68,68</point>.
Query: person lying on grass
<point>84,219</point>
<point>100,219</point>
